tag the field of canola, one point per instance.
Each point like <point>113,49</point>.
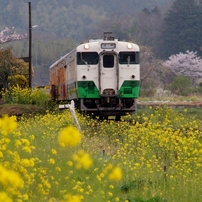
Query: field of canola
<point>151,158</point>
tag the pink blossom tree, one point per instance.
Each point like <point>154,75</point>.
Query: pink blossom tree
<point>186,64</point>
<point>9,34</point>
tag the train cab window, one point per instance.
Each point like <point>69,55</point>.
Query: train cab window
<point>87,58</point>
<point>108,61</point>
<point>129,58</point>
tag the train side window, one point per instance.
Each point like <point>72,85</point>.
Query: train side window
<point>108,61</point>
<point>87,58</point>
<point>129,58</point>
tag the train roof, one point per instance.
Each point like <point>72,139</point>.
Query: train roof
<point>59,61</point>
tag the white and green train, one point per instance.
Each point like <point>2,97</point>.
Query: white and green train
<point>102,77</point>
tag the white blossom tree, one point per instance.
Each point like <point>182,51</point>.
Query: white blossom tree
<point>9,34</point>
<point>186,64</point>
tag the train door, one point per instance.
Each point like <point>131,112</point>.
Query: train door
<point>108,75</point>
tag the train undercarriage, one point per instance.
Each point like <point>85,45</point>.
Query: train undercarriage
<point>107,106</point>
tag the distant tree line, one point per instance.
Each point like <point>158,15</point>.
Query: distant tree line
<point>182,29</point>
<point>160,33</point>
<point>177,30</point>
<point>167,32</point>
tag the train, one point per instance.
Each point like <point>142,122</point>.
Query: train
<point>101,76</point>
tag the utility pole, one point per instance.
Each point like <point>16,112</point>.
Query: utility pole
<point>30,46</point>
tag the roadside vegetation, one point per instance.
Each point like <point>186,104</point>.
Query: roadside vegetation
<point>153,156</point>
<point>18,95</point>
<point>25,101</point>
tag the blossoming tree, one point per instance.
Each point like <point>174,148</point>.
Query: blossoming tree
<point>9,34</point>
<point>186,64</point>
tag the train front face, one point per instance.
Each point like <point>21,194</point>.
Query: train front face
<point>108,73</point>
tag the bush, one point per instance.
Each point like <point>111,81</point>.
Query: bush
<point>181,86</point>
<point>18,95</point>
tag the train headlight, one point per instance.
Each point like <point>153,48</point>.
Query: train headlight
<point>129,45</point>
<point>86,46</point>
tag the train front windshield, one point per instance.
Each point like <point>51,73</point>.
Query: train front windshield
<point>108,61</point>
<point>129,58</point>
<point>87,58</point>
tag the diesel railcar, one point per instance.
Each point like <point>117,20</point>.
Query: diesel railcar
<point>102,76</point>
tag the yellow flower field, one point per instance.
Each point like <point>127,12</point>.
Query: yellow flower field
<point>148,158</point>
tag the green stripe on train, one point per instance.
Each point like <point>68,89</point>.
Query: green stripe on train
<point>87,89</point>
<point>129,89</point>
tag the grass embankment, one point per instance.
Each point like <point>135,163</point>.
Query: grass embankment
<point>26,110</point>
<point>24,101</point>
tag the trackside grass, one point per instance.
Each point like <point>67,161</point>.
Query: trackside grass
<point>154,157</point>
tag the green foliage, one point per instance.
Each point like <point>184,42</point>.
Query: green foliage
<point>154,199</point>
<point>13,71</point>
<point>198,88</point>
<point>181,85</point>
<point>148,89</point>
<point>40,97</point>
<point>6,59</point>
<point>19,80</point>
<point>182,20</point>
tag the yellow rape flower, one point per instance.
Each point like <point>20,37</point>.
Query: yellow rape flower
<point>7,124</point>
<point>1,155</point>
<point>25,197</point>
<point>32,137</point>
<point>25,142</point>
<point>58,169</point>
<point>53,151</point>
<point>116,174</point>
<point>27,162</point>
<point>69,136</point>
<point>72,198</point>
<point>4,197</point>
<point>69,163</point>
<point>27,149</point>
<point>18,143</point>
<point>51,161</point>
<point>83,160</point>
<point>10,178</point>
